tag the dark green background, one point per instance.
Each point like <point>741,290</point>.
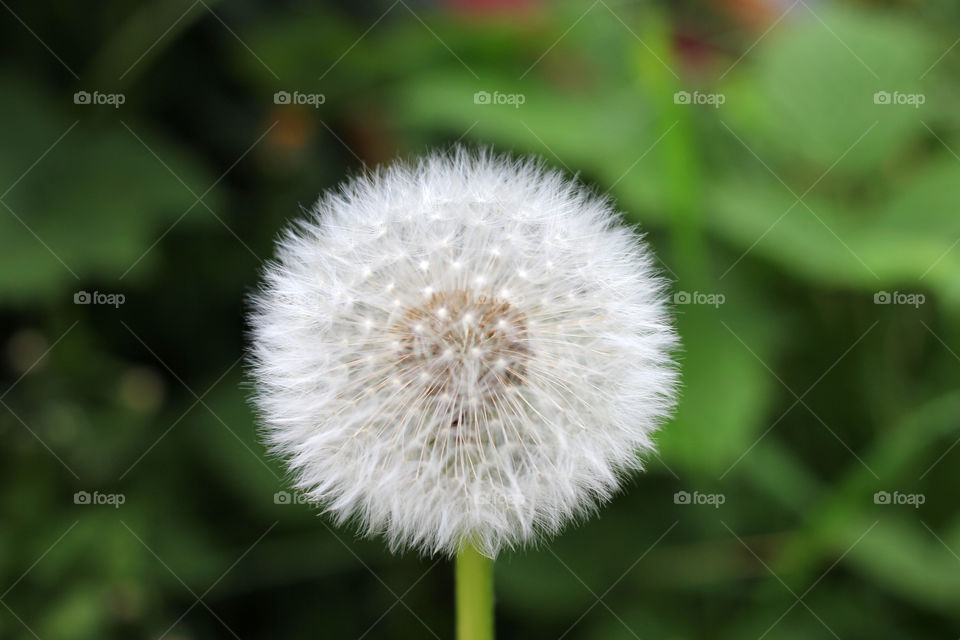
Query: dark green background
<point>799,200</point>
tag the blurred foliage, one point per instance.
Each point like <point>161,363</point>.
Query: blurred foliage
<point>799,199</point>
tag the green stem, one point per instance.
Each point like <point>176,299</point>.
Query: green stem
<point>474,577</point>
<point>678,152</point>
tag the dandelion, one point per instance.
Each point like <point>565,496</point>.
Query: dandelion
<point>469,351</point>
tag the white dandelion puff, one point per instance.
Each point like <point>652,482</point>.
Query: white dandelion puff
<point>471,348</point>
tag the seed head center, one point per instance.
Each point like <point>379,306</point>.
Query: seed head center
<point>463,346</point>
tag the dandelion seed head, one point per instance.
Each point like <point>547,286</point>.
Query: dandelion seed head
<point>467,348</point>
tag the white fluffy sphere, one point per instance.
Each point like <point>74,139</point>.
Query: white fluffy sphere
<point>471,348</point>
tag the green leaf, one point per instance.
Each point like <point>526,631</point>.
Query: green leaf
<point>726,387</point>
<point>807,90</point>
<point>94,204</point>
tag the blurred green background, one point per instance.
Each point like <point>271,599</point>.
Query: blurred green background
<point>794,164</point>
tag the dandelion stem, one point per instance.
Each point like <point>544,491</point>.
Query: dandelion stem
<point>474,578</point>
